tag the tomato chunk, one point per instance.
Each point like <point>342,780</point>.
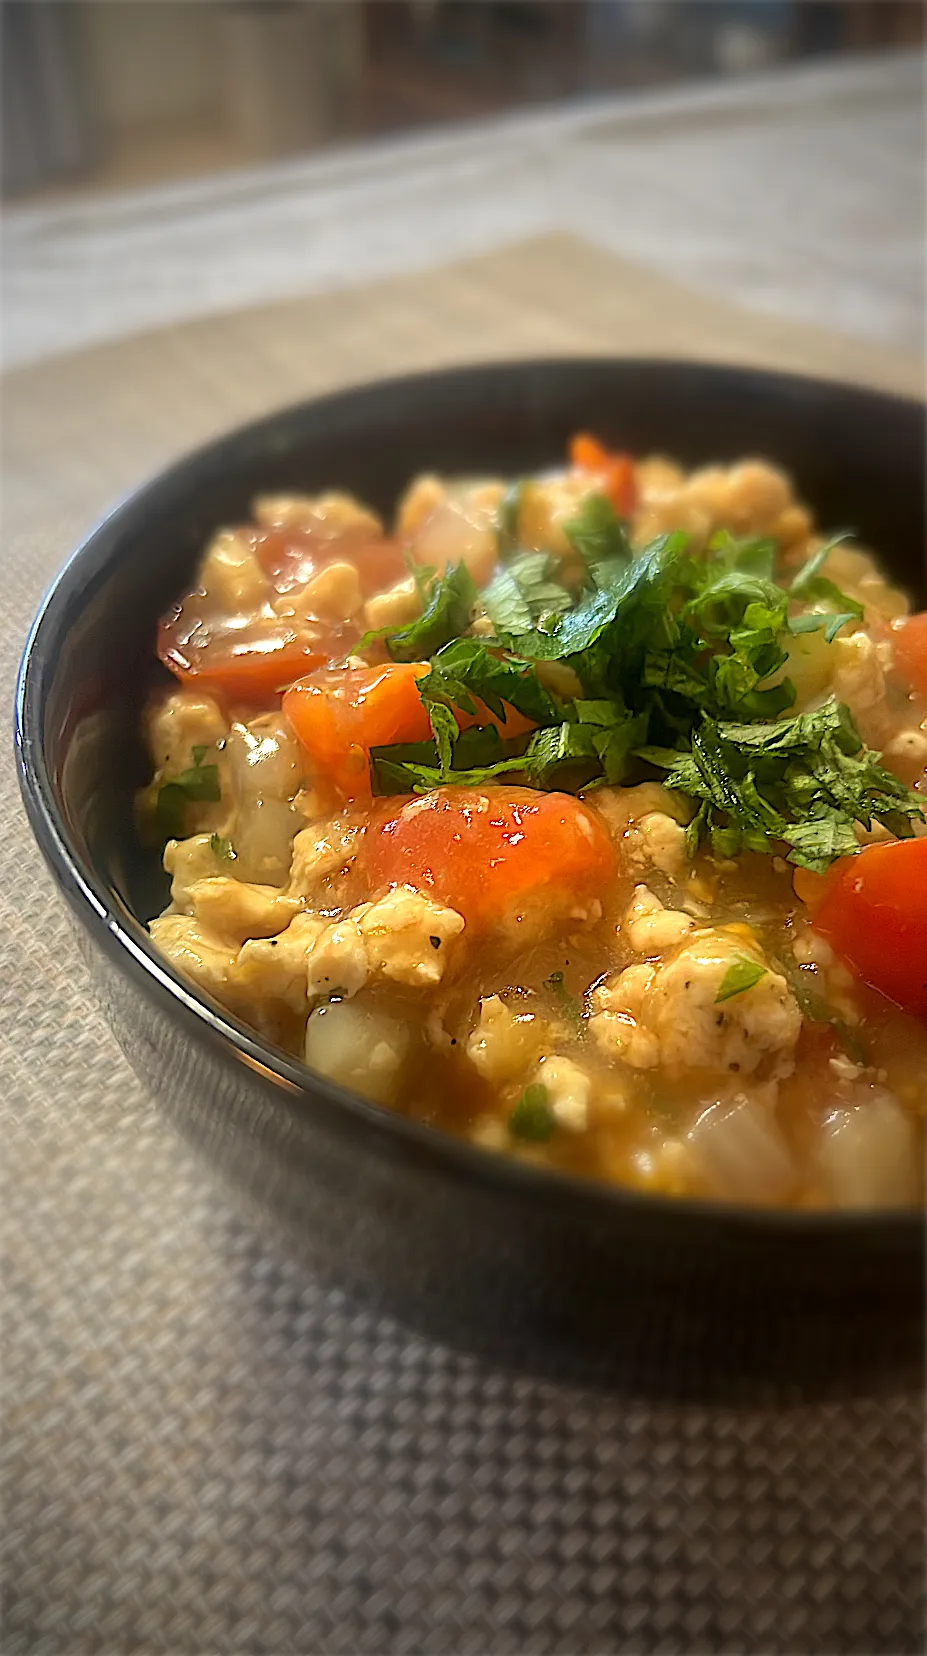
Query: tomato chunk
<point>291,557</point>
<point>249,659</point>
<point>511,724</point>
<point>616,471</point>
<point>910,642</point>
<point>497,856</point>
<point>874,913</point>
<point>340,713</point>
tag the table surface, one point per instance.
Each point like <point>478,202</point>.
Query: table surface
<point>799,194</point>
<point>207,1452</point>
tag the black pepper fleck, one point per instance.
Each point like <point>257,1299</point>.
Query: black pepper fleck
<point>273,942</point>
<point>435,942</point>
<point>719,1020</point>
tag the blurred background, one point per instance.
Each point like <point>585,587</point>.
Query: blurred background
<point>165,160</point>
<point>103,94</point>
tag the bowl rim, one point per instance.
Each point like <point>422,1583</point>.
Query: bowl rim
<point>126,940</point>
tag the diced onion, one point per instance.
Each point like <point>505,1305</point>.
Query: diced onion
<point>867,1155</point>
<point>266,770</point>
<point>457,533</point>
<point>740,1152</point>
<point>358,1045</point>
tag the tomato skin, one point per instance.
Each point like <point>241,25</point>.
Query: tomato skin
<point>340,713</point>
<point>290,557</point>
<point>874,913</point>
<point>616,471</point>
<point>512,723</point>
<point>910,642</point>
<point>490,853</point>
<point>249,664</point>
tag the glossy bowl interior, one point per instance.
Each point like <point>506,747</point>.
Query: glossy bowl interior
<point>532,1266</point>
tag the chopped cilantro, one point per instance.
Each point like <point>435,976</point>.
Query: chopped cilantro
<point>507,518</point>
<point>200,782</point>
<point>682,668</point>
<point>422,575</point>
<point>742,974</point>
<point>522,595</point>
<point>568,1005</point>
<point>599,536</point>
<point>594,745</point>
<point>199,752</point>
<point>805,780</point>
<point>812,587</point>
<point>222,848</point>
<point>171,811</point>
<point>532,1118</point>
<point>448,604</point>
<point>465,672</point>
<point>478,755</point>
<point>751,556</point>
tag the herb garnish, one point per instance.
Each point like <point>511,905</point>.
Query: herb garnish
<point>813,587</point>
<point>742,974</point>
<point>448,602</point>
<point>568,1005</point>
<point>523,595</point>
<point>532,1118</point>
<point>598,535</point>
<point>682,667</point>
<point>507,518</point>
<point>200,782</point>
<point>805,780</point>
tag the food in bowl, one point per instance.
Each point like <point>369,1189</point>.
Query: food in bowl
<point>582,816</point>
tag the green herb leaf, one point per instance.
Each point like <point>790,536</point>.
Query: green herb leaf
<point>741,975</point>
<point>805,781</point>
<point>820,620</point>
<point>478,756</point>
<point>568,1005</point>
<point>599,536</point>
<point>199,753</point>
<point>466,672</point>
<point>446,733</point>
<point>595,744</point>
<point>423,576</point>
<point>201,782</point>
<point>751,556</point>
<point>507,518</point>
<point>222,849</point>
<point>637,603</point>
<point>171,811</point>
<point>532,1118</point>
<point>812,587</point>
<point>522,595</point>
<point>446,615</point>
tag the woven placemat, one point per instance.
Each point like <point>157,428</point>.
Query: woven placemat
<point>207,1452</point>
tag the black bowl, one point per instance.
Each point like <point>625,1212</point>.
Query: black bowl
<point>533,1267</point>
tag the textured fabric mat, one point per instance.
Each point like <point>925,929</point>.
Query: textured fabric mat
<point>206,1452</point>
